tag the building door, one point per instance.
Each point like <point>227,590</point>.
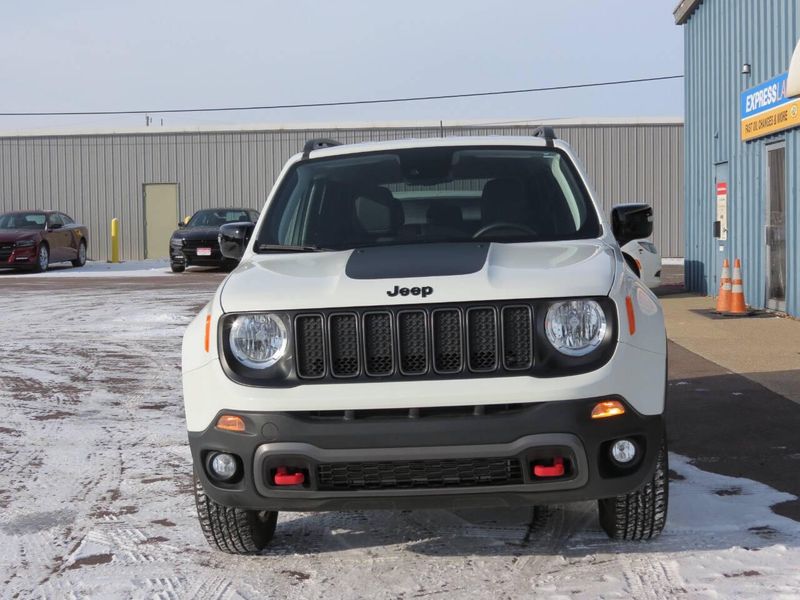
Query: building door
<point>160,218</point>
<point>776,227</point>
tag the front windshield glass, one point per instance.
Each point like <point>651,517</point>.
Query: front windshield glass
<point>22,221</point>
<point>429,195</point>
<point>217,217</point>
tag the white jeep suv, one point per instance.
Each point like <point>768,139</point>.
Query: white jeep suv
<point>428,323</point>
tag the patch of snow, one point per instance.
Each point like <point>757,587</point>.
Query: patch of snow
<point>699,502</point>
<point>671,261</point>
<point>134,268</point>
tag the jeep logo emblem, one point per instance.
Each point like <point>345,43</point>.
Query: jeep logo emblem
<point>414,291</point>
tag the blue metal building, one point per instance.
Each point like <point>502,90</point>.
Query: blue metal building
<point>742,146</point>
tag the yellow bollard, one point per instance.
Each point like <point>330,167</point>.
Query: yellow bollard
<point>114,240</point>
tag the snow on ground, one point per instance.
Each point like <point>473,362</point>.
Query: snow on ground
<point>672,261</point>
<point>96,500</point>
<point>132,268</point>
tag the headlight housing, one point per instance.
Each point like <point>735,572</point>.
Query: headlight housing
<point>24,243</point>
<point>575,327</point>
<point>258,341</point>
<point>177,242</point>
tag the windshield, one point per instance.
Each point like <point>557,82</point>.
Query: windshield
<point>217,217</point>
<point>429,195</point>
<point>22,221</point>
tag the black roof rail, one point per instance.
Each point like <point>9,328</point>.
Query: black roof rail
<point>546,132</point>
<point>317,144</point>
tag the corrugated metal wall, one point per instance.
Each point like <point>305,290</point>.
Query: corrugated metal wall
<point>719,37</point>
<point>95,178</point>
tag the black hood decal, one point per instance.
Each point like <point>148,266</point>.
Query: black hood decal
<point>417,260</point>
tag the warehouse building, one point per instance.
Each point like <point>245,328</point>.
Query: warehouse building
<point>96,176</point>
<point>742,66</point>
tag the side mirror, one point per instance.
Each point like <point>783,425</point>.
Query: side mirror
<point>631,222</point>
<point>181,224</point>
<point>233,239</point>
<point>53,226</point>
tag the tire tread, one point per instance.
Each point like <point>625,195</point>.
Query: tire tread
<point>642,514</point>
<point>233,530</point>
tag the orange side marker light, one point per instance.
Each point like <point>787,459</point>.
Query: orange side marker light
<point>608,408</point>
<point>230,423</point>
<point>208,332</point>
<point>631,315</point>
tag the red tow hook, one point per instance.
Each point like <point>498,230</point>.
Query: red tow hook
<point>283,477</point>
<point>554,470</point>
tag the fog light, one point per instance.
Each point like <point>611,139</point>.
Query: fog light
<point>223,466</point>
<point>623,451</point>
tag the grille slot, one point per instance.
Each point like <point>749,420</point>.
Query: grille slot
<point>470,472</point>
<point>482,338</point>
<point>378,347</point>
<point>194,244</point>
<point>413,342</point>
<point>344,345</point>
<point>448,341</point>
<point>517,337</point>
<point>310,346</point>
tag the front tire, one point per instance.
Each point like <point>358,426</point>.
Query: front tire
<point>42,259</point>
<point>233,530</point>
<point>81,260</point>
<point>177,268</point>
<point>640,515</point>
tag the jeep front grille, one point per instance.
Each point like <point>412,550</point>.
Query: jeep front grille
<point>469,472</point>
<point>435,341</point>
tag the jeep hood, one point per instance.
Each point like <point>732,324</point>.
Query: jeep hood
<point>455,272</point>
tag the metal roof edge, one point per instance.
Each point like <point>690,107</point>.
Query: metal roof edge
<point>311,127</point>
<point>684,10</point>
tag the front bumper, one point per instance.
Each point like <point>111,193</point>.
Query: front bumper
<point>315,442</point>
<point>187,256</point>
<point>26,256</point>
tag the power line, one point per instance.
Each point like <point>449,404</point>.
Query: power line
<point>338,103</point>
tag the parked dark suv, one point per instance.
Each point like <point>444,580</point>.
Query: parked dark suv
<point>195,243</point>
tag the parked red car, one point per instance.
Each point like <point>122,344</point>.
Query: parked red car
<point>35,239</point>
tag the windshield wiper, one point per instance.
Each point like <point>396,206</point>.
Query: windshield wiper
<point>288,248</point>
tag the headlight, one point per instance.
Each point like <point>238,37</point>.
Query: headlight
<point>25,243</point>
<point>177,242</point>
<point>575,327</point>
<point>258,341</point>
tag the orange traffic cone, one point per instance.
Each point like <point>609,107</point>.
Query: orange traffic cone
<point>738,306</point>
<point>724,298</point>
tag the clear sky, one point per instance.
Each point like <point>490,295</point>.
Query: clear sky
<point>112,54</point>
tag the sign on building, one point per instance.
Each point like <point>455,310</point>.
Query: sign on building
<point>767,109</point>
<point>722,210</point>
